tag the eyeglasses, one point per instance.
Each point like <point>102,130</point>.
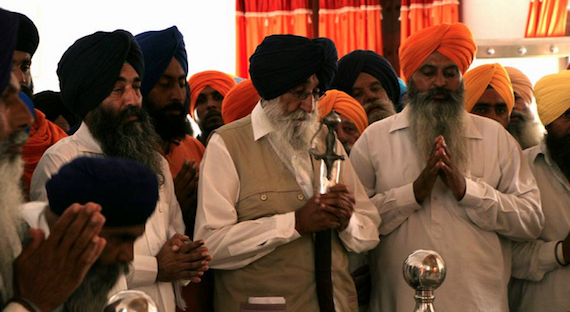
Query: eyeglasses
<point>301,95</point>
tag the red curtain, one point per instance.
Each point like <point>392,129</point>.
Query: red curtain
<point>416,15</point>
<point>546,18</point>
<point>351,24</point>
<point>256,19</point>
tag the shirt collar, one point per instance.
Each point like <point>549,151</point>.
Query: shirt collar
<point>260,123</point>
<point>88,144</point>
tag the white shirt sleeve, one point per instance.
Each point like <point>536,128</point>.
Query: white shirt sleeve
<point>233,245</point>
<point>532,260</point>
<point>47,166</point>
<point>15,307</point>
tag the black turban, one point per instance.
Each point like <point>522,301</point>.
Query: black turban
<point>8,32</point>
<point>126,190</point>
<point>282,62</point>
<point>89,69</point>
<point>360,61</point>
<point>158,48</point>
<point>50,103</point>
<point>28,36</point>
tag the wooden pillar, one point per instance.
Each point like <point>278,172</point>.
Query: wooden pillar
<point>391,31</point>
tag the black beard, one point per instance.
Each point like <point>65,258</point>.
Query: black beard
<point>168,126</point>
<point>212,121</point>
<point>559,150</point>
<point>135,140</point>
<point>92,294</point>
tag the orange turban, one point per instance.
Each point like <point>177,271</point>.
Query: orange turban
<point>521,84</point>
<point>478,79</point>
<point>216,80</point>
<point>240,101</point>
<point>454,41</point>
<point>345,105</point>
<point>552,96</point>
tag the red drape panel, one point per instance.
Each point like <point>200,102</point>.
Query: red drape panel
<point>416,15</point>
<point>256,19</point>
<point>352,24</point>
<point>546,18</point>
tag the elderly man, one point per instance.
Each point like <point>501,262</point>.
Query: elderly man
<point>127,192</point>
<point>540,267</point>
<point>46,272</point>
<point>489,93</point>
<point>260,219</point>
<point>371,80</point>
<point>524,126</point>
<point>352,116</point>
<point>208,89</point>
<point>445,180</point>
<point>100,80</point>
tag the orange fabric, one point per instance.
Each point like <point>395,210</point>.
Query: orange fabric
<point>478,79</point>
<point>216,80</point>
<point>352,24</point>
<point>455,41</point>
<point>344,105</point>
<point>256,19</point>
<point>240,101</point>
<point>416,15</point>
<point>546,18</point>
<point>43,134</point>
<point>189,148</point>
<point>521,84</point>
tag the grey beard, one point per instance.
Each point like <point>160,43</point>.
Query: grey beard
<point>135,140</point>
<point>527,131</point>
<point>93,292</point>
<point>378,110</point>
<point>430,117</point>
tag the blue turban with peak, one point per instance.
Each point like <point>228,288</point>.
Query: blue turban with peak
<point>360,61</point>
<point>126,190</point>
<point>158,48</point>
<point>8,33</point>
<point>282,62</point>
<point>89,69</point>
<point>28,36</point>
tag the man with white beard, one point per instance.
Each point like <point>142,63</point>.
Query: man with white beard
<point>445,180</point>
<point>260,218</point>
<point>42,274</point>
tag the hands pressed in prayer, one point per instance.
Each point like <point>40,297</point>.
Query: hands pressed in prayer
<point>339,201</point>
<point>49,270</point>
<point>183,259</point>
<point>439,164</point>
<point>186,189</point>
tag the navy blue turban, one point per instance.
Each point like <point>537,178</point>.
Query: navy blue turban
<point>360,61</point>
<point>28,36</point>
<point>8,33</point>
<point>89,69</point>
<point>126,190</point>
<point>282,62</point>
<point>158,48</point>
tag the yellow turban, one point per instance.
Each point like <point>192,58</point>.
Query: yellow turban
<point>240,101</point>
<point>345,105</point>
<point>521,84</point>
<point>494,75</point>
<point>552,94</point>
<point>216,80</point>
<point>454,41</point>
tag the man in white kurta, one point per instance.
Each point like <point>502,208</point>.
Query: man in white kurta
<point>445,180</point>
<point>540,272</point>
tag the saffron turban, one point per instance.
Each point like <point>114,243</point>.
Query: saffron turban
<point>454,41</point>
<point>552,94</point>
<point>89,69</point>
<point>216,80</point>
<point>281,62</point>
<point>351,65</point>
<point>126,190</point>
<point>494,75</point>
<point>8,33</point>
<point>521,84</point>
<point>28,36</point>
<point>240,101</point>
<point>158,48</point>
<point>344,105</point>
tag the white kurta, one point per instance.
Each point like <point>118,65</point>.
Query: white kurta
<point>162,224</point>
<point>234,245</point>
<point>501,201</point>
<point>540,284</point>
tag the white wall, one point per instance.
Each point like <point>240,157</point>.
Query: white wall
<point>495,19</point>
<point>208,28</point>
